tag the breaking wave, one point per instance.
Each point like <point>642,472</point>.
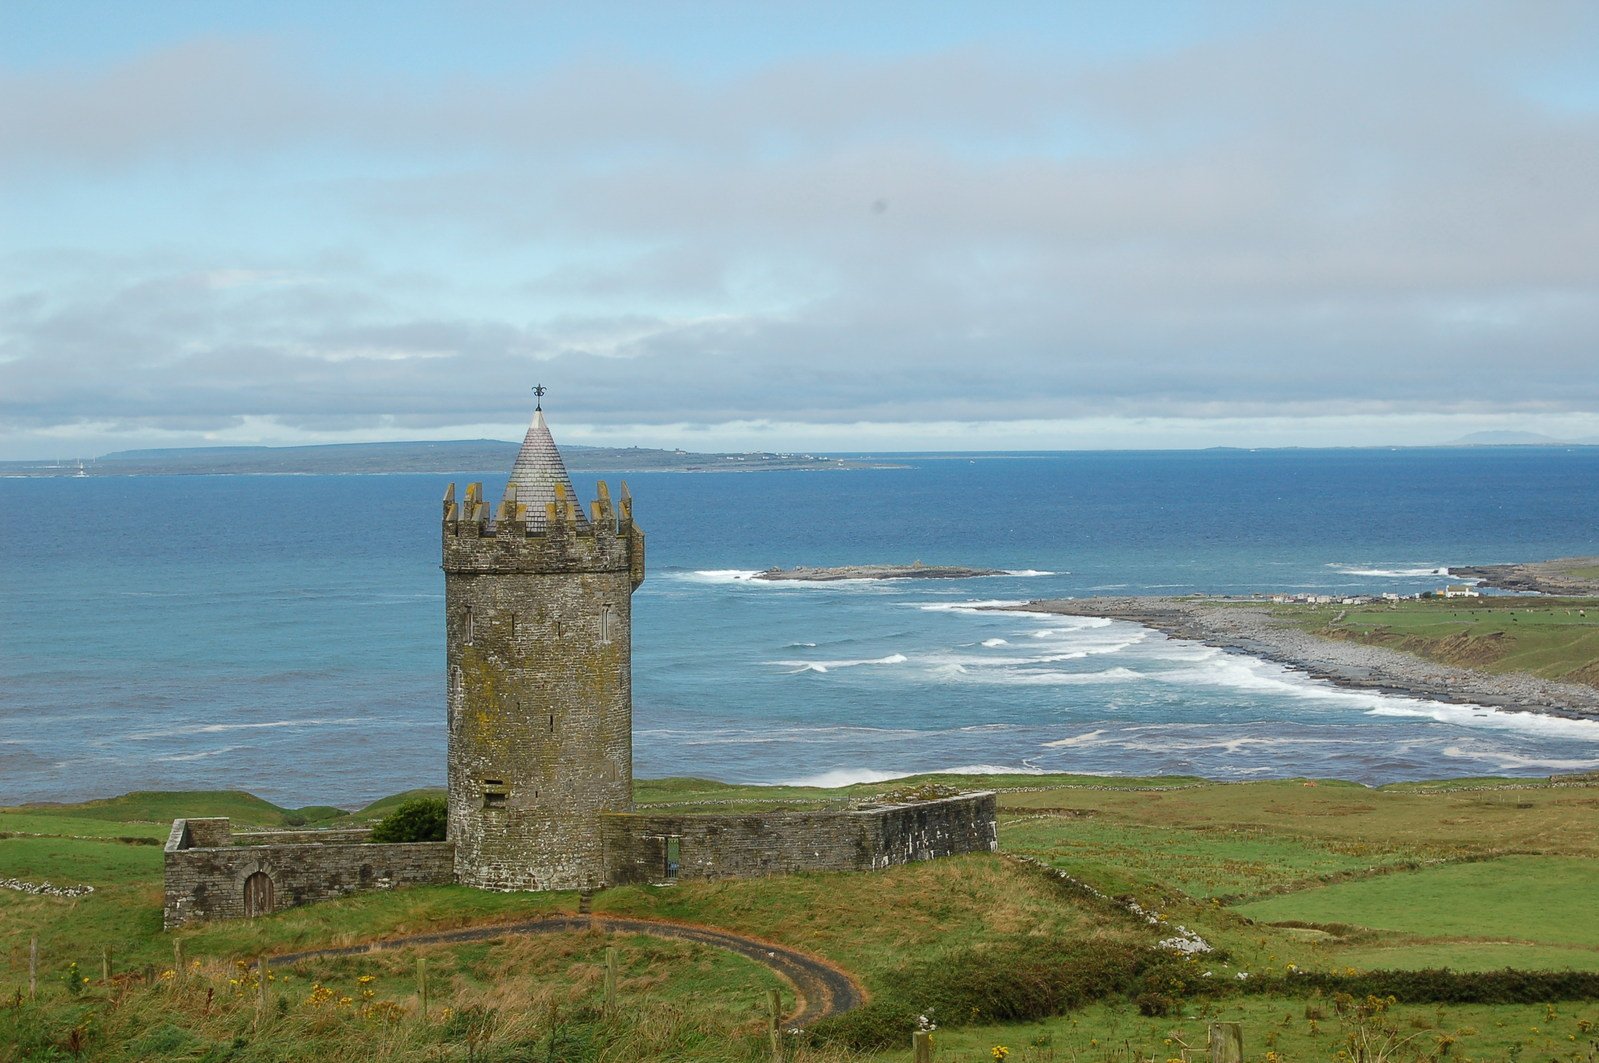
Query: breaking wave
<point>717,575</point>
<point>1484,716</point>
<point>1392,572</point>
<point>828,666</point>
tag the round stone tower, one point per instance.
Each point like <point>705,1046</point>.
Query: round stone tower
<point>538,624</point>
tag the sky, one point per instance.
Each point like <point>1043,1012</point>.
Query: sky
<point>819,226</point>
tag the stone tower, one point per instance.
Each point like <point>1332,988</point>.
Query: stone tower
<point>538,623</point>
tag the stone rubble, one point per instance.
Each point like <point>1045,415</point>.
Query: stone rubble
<point>45,889</point>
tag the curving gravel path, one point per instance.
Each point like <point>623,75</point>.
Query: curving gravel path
<point>822,990</point>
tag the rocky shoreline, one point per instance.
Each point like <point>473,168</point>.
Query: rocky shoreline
<point>917,570</point>
<point>1241,627</point>
<point>1562,576</point>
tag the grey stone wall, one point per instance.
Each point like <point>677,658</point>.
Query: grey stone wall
<point>286,837</point>
<point>746,846</point>
<point>207,882</point>
<point>539,705</point>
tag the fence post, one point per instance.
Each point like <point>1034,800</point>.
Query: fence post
<point>178,975</point>
<point>610,980</point>
<point>774,1019</point>
<point>922,1046</point>
<point>1226,1042</point>
<point>33,966</point>
<point>262,974</point>
<point>422,983</point>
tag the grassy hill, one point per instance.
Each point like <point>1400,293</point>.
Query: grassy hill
<point>1278,878</point>
<point>1556,638</point>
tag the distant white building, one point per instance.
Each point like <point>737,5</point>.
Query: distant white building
<point>1461,590</point>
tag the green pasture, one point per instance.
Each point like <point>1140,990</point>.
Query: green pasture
<point>1556,638</point>
<point>1471,874</point>
<point>1296,1029</point>
<point>1538,899</point>
<point>1201,864</point>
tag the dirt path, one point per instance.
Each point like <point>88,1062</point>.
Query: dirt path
<point>822,990</point>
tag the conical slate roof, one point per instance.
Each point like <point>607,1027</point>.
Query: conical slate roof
<point>537,470</point>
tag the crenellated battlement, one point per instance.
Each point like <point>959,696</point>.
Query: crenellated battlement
<point>562,538</point>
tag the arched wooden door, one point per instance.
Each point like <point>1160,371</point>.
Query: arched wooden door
<point>257,895</point>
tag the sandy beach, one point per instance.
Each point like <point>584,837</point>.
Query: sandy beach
<point>1240,627</point>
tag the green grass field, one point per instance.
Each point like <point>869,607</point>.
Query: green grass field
<point>1474,875</point>
<point>1557,638</point>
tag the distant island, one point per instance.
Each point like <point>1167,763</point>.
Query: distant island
<point>1517,439</point>
<point>914,570</point>
<point>449,456</point>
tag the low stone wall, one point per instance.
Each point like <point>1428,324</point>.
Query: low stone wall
<point>206,872</point>
<point>638,845</point>
<point>291,837</point>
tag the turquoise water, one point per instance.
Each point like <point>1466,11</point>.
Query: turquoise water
<point>283,634</point>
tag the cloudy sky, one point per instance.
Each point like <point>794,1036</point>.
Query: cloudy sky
<point>821,226</point>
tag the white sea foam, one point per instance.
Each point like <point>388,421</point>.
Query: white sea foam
<point>991,643</point>
<point>718,575</point>
<point>978,606</point>
<point>1507,761</point>
<point>218,728</point>
<point>851,776</point>
<point>1399,571</point>
<point>203,755</point>
<point>815,735</point>
<point>1239,672</point>
<point>1016,677</point>
<point>1188,738</point>
<point>1496,719</point>
<point>1029,572</point>
<point>828,666</point>
<point>1053,655</point>
<point>1072,623</point>
<point>1087,739</point>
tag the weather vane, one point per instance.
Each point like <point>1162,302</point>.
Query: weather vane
<point>538,396</point>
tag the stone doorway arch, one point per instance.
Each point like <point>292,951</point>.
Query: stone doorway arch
<point>258,895</point>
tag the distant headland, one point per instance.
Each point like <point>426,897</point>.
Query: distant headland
<point>445,456</point>
<point>1563,575</point>
<point>1453,650</point>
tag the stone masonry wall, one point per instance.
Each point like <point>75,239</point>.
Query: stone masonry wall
<point>202,883</point>
<point>747,846</point>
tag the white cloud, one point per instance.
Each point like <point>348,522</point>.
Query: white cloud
<point>1365,217</point>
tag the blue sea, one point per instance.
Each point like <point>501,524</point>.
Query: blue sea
<point>283,635</point>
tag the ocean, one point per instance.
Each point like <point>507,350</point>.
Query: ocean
<point>283,635</point>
